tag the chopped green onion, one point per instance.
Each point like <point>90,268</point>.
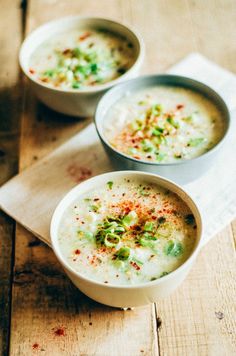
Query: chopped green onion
<point>153,279</point>
<point>160,156</point>
<point>137,125</point>
<point>119,229</point>
<point>123,253</point>
<point>147,146</point>
<point>130,219</point>
<point>100,237</point>
<point>164,274</point>
<point>111,218</point>
<point>90,57</point>
<point>143,192</point>
<point>194,142</point>
<point>156,109</point>
<point>174,123</point>
<point>76,85</point>
<point>147,236</point>
<point>173,248</point>
<point>141,102</point>
<point>136,260</point>
<point>111,224</point>
<point>165,229</point>
<point>94,68</point>
<point>49,73</point>
<point>157,132</point>
<point>132,151</point>
<point>110,184</point>
<point>111,240</point>
<point>119,264</point>
<point>94,208</point>
<point>87,199</point>
<point>177,156</point>
<point>87,234</point>
<point>188,118</point>
<point>76,52</point>
<point>148,226</point>
<point>146,243</point>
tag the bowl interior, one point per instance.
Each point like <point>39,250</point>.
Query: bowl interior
<point>131,86</point>
<point>96,181</point>
<point>48,30</point>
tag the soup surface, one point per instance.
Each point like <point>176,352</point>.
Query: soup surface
<point>127,232</point>
<point>80,58</point>
<point>163,124</point>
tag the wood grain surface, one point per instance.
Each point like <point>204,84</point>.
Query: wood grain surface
<point>10,40</point>
<point>49,316</point>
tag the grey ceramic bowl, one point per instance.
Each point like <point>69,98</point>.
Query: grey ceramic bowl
<point>181,172</point>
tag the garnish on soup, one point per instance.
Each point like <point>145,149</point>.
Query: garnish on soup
<point>81,58</point>
<point>119,235</point>
<point>163,124</point>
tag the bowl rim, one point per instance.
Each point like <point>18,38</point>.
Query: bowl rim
<point>138,60</point>
<point>222,107</point>
<point>71,195</point>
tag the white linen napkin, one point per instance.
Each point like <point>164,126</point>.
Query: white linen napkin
<point>215,192</point>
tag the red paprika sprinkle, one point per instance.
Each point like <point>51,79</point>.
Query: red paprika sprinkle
<point>31,71</point>
<point>135,265</point>
<point>180,106</point>
<point>66,51</point>
<point>35,346</point>
<point>84,36</point>
<point>59,331</point>
<point>77,173</point>
<point>77,252</point>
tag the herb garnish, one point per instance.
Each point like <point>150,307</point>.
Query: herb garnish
<point>110,184</point>
<point>173,248</point>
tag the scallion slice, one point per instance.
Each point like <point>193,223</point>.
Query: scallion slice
<point>130,219</point>
<point>149,226</point>
<point>111,240</point>
<point>123,253</point>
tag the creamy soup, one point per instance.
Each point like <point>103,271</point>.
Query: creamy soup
<point>80,58</point>
<point>163,124</point>
<point>127,232</point>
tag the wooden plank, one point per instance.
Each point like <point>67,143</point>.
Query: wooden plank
<point>213,28</point>
<point>6,261</point>
<point>199,318</point>
<point>43,299</point>
<point>10,38</point>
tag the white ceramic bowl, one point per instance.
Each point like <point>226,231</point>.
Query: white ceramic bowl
<point>125,296</point>
<point>76,102</point>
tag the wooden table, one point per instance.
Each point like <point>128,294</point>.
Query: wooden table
<point>41,312</point>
